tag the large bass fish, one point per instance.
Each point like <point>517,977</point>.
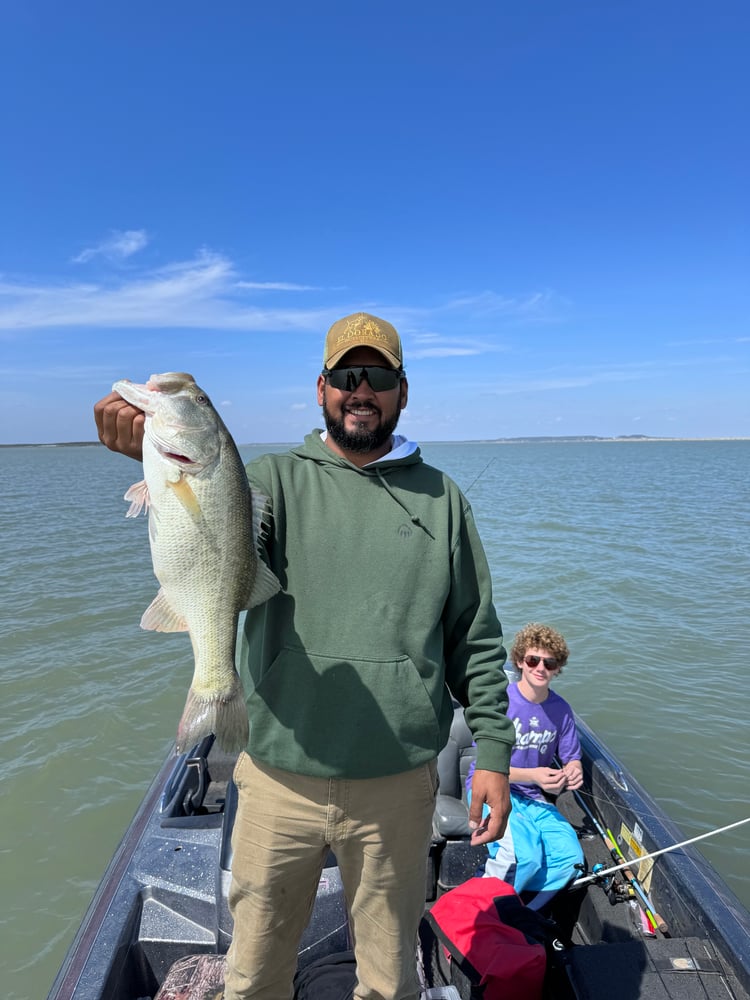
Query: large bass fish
<point>204,525</point>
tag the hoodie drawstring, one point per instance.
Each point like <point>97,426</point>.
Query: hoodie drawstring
<point>412,517</point>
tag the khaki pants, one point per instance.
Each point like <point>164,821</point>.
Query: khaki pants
<point>379,830</point>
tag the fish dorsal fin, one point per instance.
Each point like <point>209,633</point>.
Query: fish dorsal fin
<point>265,584</point>
<point>160,616</point>
<point>139,498</point>
<point>260,507</point>
<point>184,493</point>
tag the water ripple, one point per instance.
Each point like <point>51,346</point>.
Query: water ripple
<point>638,552</point>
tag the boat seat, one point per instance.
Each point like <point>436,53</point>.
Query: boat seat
<point>452,858</point>
<point>451,808</point>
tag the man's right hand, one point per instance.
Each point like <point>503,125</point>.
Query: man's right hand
<point>120,425</point>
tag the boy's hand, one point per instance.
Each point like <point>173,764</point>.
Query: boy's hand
<point>551,779</point>
<point>573,772</point>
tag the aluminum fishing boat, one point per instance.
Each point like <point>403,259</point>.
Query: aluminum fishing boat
<point>668,927</point>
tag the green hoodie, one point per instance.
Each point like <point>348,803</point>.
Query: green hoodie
<point>386,599</point>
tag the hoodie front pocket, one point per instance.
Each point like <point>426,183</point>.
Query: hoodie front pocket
<point>353,718</point>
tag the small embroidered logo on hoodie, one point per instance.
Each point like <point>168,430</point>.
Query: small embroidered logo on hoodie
<point>405,531</point>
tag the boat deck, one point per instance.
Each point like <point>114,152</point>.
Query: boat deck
<point>614,957</point>
<point>164,898</point>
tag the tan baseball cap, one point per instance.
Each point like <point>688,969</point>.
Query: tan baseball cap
<point>362,330</point>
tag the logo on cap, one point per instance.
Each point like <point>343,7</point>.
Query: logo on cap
<point>362,328</point>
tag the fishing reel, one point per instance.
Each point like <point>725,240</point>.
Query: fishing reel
<point>615,890</point>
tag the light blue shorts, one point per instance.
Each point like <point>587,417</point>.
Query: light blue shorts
<point>539,850</point>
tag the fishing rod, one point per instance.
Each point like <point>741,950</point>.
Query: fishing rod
<point>585,879</point>
<point>655,921</point>
<point>477,478</point>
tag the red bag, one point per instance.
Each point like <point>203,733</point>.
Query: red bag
<point>496,941</point>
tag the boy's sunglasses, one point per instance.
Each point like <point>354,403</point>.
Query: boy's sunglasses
<point>379,379</point>
<point>550,663</point>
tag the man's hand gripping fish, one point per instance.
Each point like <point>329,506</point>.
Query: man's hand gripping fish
<point>204,525</point>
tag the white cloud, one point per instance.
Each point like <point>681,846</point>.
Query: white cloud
<point>708,342</point>
<point>197,294</point>
<point>514,384</point>
<point>535,305</point>
<point>206,293</point>
<point>436,345</point>
<point>118,246</point>
<point>444,351</point>
<point>275,286</point>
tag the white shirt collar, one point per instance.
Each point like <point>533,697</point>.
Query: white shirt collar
<point>401,447</point>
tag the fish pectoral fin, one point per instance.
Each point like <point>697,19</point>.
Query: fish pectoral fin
<point>184,493</point>
<point>160,616</point>
<point>139,498</point>
<point>265,585</point>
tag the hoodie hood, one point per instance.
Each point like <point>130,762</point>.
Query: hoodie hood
<point>403,453</point>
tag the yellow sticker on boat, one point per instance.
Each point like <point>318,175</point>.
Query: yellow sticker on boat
<point>628,838</point>
<point>635,849</point>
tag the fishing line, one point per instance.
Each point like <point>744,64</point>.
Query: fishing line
<point>656,922</point>
<point>603,795</point>
<point>477,478</point>
<point>584,880</point>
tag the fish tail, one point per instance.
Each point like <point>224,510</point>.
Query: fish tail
<point>225,715</point>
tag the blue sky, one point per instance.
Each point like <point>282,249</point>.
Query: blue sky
<point>549,201</point>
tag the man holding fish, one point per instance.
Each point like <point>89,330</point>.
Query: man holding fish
<point>384,609</point>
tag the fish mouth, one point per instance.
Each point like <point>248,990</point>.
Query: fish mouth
<point>165,450</point>
<point>135,394</point>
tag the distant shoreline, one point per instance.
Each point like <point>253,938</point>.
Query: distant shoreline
<point>560,439</point>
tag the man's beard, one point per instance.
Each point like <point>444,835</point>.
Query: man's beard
<point>361,441</point>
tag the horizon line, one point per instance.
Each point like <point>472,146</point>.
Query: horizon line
<point>523,438</point>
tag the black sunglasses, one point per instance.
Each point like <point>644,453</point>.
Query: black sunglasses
<point>379,379</point>
<point>550,663</point>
